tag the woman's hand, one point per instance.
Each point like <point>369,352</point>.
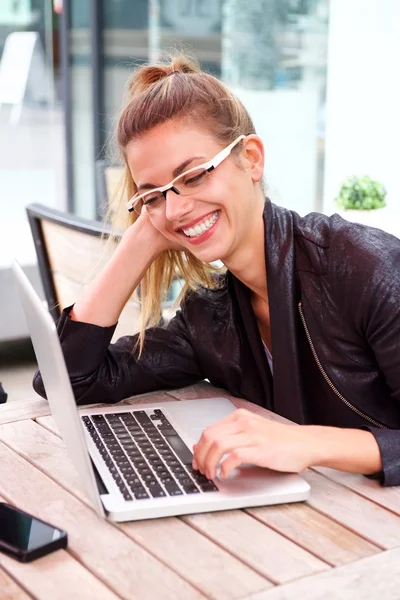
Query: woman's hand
<point>248,438</point>
<point>105,298</point>
<point>155,241</point>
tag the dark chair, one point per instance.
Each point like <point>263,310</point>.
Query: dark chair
<point>70,251</point>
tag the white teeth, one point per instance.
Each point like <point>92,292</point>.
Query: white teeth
<point>199,229</point>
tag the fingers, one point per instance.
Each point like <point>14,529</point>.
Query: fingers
<point>238,457</point>
<point>222,447</point>
<point>235,431</point>
<point>238,421</point>
<point>208,438</point>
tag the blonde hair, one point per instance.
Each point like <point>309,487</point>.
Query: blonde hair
<point>175,88</point>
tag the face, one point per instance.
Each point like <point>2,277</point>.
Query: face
<point>217,220</point>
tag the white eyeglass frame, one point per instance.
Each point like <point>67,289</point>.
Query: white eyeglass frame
<point>208,166</point>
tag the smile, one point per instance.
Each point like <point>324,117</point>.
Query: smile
<point>201,228</point>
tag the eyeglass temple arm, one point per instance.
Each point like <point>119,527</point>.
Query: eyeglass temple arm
<point>225,153</point>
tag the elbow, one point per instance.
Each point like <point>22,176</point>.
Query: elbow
<point>38,384</point>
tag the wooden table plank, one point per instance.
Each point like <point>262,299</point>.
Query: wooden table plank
<point>376,524</point>
<point>315,532</point>
<point>57,575</point>
<point>218,574</point>
<point>9,589</point>
<point>266,551</point>
<point>45,450</point>
<point>368,579</point>
<point>46,576</point>
<point>107,552</point>
<point>15,411</point>
<point>388,497</point>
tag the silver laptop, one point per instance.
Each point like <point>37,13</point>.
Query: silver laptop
<point>135,461</point>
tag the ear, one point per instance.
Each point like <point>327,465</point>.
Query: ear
<point>253,156</point>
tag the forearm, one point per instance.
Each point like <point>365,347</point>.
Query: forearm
<point>350,450</point>
<point>105,298</point>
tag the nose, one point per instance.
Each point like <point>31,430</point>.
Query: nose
<point>177,206</point>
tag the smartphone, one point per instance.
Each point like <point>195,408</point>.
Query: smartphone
<point>25,537</point>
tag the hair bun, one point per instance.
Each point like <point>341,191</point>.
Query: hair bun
<point>147,75</point>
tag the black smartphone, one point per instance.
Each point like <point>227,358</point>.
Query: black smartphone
<point>25,537</point>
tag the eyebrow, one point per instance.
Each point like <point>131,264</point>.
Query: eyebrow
<point>175,173</point>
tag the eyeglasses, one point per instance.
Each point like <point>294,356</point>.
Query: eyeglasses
<point>184,185</point>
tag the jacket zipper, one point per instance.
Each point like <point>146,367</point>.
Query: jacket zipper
<point>328,381</point>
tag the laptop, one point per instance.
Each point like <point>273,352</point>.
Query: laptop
<point>135,461</point>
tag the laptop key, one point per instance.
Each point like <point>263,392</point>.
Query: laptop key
<point>145,473</point>
<point>140,463</point>
<point>191,489</point>
<point>141,495</point>
<point>167,478</point>
<point>127,416</point>
<point>98,418</point>
<point>157,492</point>
<point>126,469</point>
<point>141,416</point>
<point>186,482</point>
<point>121,437</point>
<point>180,448</point>
<point>134,429</point>
<point>132,479</point>
<point>159,468</point>
<point>183,478</point>
<point>152,482</point>
<point>118,427</point>
<point>199,478</point>
<point>173,489</point>
<point>130,446</point>
<point>209,486</point>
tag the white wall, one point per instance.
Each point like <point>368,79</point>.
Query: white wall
<point>363,99</point>
<point>286,120</point>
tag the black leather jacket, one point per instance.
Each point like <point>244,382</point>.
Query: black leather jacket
<point>334,295</point>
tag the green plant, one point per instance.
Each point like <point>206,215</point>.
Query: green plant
<point>361,193</point>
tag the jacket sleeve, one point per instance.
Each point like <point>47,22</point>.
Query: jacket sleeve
<point>103,372</point>
<point>378,304</point>
<point>383,335</point>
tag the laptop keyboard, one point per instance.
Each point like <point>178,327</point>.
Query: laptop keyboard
<point>145,455</point>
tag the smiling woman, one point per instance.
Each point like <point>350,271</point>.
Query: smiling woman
<point>302,319</point>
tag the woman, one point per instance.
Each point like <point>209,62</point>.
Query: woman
<point>305,322</point>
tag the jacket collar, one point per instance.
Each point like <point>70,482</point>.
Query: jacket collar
<point>283,299</point>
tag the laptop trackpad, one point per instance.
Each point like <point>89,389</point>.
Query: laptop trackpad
<point>193,416</point>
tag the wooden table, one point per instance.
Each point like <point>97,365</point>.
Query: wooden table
<point>342,543</point>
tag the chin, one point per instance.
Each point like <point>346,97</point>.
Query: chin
<point>207,256</point>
